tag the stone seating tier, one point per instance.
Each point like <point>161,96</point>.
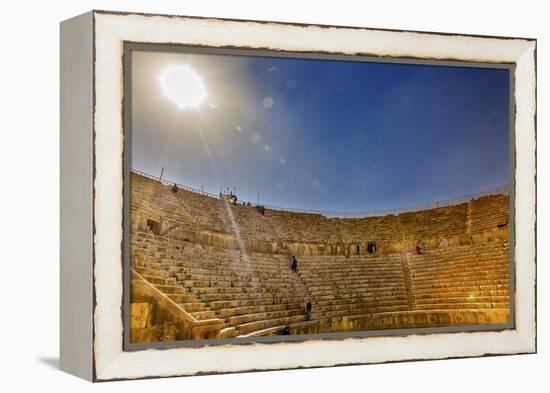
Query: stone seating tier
<point>247,295</point>
<point>196,212</point>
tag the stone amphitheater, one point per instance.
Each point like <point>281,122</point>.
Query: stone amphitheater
<point>203,268</point>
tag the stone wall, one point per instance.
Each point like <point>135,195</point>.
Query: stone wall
<point>400,320</point>
<point>212,221</point>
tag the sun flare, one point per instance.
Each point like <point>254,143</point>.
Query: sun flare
<point>183,86</point>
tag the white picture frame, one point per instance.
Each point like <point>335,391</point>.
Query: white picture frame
<point>92,153</point>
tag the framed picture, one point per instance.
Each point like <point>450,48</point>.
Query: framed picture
<point>246,195</point>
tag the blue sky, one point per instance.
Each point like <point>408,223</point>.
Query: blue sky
<point>324,134</point>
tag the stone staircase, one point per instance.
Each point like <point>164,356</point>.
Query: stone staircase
<point>249,292</point>
<point>355,285</point>
<point>474,276</point>
<point>407,279</point>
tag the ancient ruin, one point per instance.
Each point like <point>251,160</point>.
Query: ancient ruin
<point>204,267</point>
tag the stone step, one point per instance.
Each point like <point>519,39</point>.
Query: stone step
<point>324,270</point>
<point>361,299</point>
<point>337,276</point>
<point>362,282</point>
<point>182,298</point>
<point>481,287</point>
<point>202,315</point>
<point>159,280</point>
<point>236,296</point>
<point>464,305</point>
<point>446,270</point>
<point>262,316</point>
<point>449,260</point>
<point>459,293</point>
<point>389,287</point>
<point>194,307</point>
<point>238,311</point>
<point>279,283</point>
<point>149,265</point>
<point>249,327</point>
<point>361,311</point>
<point>478,299</point>
<point>151,272</point>
<point>170,289</point>
<point>222,268</point>
<point>462,282</point>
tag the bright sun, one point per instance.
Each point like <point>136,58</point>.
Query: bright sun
<point>183,86</point>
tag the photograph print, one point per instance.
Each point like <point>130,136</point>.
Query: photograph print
<point>278,196</point>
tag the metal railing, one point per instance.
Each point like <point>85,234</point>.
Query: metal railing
<point>500,190</point>
<point>170,183</point>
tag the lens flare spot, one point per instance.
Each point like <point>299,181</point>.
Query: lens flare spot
<point>255,138</point>
<point>268,102</point>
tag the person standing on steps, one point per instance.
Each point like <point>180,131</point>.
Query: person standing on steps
<point>371,247</point>
<point>286,330</point>
<point>308,310</point>
<point>294,265</point>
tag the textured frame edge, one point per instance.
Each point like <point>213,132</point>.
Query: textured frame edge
<point>76,196</point>
<point>112,363</point>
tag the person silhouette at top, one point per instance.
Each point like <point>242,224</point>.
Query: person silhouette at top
<point>175,188</point>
